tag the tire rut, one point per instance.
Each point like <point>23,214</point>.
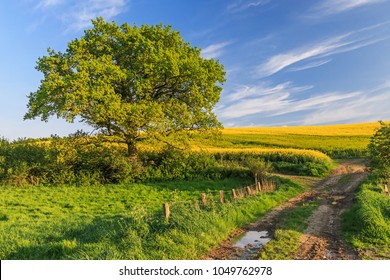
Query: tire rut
<point>322,238</point>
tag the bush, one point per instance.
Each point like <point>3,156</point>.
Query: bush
<point>72,160</point>
<point>171,164</point>
<point>23,163</point>
<point>82,160</point>
<point>379,146</point>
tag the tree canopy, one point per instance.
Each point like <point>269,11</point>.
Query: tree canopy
<point>130,82</point>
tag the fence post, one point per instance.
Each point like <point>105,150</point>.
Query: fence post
<point>167,212</point>
<point>203,198</point>
<point>234,194</point>
<point>248,191</point>
<point>221,196</point>
<point>259,186</point>
<point>265,185</point>
<point>386,190</point>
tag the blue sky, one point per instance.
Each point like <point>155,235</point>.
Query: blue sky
<point>301,62</point>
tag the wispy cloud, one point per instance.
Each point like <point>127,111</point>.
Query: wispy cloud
<point>312,64</point>
<point>330,7</point>
<point>246,107</point>
<point>245,91</point>
<point>321,108</point>
<point>83,12</point>
<point>48,3</point>
<point>316,102</point>
<point>317,51</point>
<point>280,61</point>
<point>364,107</point>
<point>239,6</point>
<point>282,103</point>
<point>77,15</point>
<point>214,50</point>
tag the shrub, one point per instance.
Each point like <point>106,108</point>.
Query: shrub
<point>379,146</point>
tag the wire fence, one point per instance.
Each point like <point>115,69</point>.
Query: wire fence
<point>263,185</point>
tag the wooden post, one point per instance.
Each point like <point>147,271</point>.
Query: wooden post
<point>221,196</point>
<point>386,190</point>
<point>167,212</point>
<point>265,185</point>
<point>234,194</point>
<point>203,198</point>
<point>259,186</point>
<point>248,191</point>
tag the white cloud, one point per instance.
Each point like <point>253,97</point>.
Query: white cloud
<point>321,101</point>
<point>83,12</point>
<point>241,5</point>
<point>264,104</point>
<point>77,15</point>
<point>282,103</point>
<point>330,7</point>
<point>364,108</point>
<point>244,91</point>
<point>334,45</point>
<point>322,108</point>
<point>280,61</point>
<point>48,3</point>
<point>310,65</point>
<point>214,50</point>
<point>371,105</point>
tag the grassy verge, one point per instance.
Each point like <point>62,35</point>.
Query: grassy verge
<point>285,243</point>
<point>367,225</point>
<point>123,221</point>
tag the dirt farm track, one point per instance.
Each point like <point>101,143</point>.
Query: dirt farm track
<point>321,240</point>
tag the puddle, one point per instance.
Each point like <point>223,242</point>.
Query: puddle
<point>253,239</point>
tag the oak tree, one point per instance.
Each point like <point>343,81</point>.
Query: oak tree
<point>129,81</point>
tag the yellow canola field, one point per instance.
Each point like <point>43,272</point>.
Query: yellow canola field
<point>326,130</point>
<point>288,152</point>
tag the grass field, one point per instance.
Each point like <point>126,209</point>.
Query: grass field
<point>367,225</point>
<point>123,221</point>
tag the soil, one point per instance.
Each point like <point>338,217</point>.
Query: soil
<point>322,238</point>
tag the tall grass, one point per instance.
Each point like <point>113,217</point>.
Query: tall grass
<point>367,225</point>
<point>77,223</point>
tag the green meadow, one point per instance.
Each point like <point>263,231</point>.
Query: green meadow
<point>124,221</point>
<point>79,198</point>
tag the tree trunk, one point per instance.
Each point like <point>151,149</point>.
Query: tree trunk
<point>131,148</point>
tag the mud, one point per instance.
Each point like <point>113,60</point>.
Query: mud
<point>322,238</point>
